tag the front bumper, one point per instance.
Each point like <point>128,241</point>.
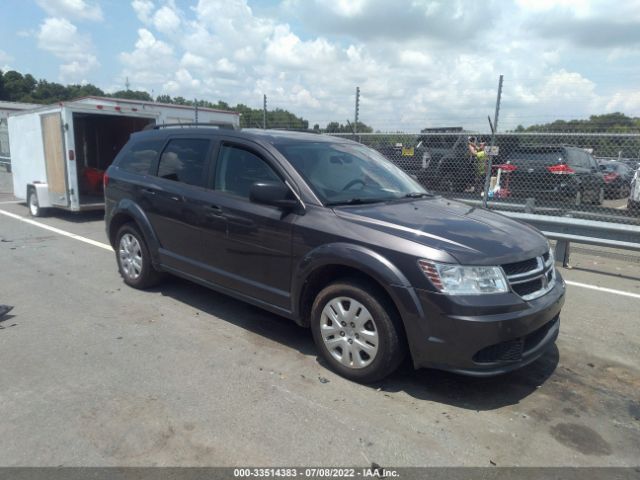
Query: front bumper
<point>484,335</point>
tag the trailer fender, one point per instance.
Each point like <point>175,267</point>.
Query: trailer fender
<point>128,211</point>
<point>42,193</point>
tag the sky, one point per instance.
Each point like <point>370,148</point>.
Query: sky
<point>418,63</point>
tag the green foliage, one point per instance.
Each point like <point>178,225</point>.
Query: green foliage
<point>335,127</point>
<point>132,95</point>
<point>608,123</point>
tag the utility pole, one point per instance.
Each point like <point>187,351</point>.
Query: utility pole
<point>355,125</point>
<point>494,130</point>
<point>195,102</point>
<point>264,112</point>
<point>126,84</point>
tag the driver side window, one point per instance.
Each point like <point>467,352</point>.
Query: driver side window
<point>237,169</point>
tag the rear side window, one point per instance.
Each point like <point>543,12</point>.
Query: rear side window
<point>185,160</point>
<point>140,156</point>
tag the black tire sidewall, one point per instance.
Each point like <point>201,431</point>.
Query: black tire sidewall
<point>391,348</point>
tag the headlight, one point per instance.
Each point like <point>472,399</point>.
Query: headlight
<point>464,280</point>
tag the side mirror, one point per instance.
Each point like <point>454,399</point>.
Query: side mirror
<point>276,194</point>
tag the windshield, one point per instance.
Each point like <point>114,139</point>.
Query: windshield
<point>537,158</point>
<point>342,173</point>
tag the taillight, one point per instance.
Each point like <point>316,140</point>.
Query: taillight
<point>105,179</point>
<point>561,169</point>
<point>610,177</point>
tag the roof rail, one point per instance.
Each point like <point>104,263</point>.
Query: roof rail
<point>220,125</point>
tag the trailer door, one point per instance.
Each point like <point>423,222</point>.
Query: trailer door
<point>54,159</point>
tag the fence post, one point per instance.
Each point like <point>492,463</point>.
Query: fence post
<point>562,252</point>
<point>355,124</point>
<point>494,130</point>
<point>264,112</point>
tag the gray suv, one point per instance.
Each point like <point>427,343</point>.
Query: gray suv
<point>330,234</point>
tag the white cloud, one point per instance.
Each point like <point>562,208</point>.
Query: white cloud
<point>152,62</point>
<point>143,10</point>
<point>428,64</point>
<point>75,9</point>
<point>61,38</point>
<point>166,20</point>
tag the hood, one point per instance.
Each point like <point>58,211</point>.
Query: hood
<point>472,235</point>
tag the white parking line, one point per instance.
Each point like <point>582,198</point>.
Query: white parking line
<point>57,230</point>
<point>108,247</point>
<point>602,289</point>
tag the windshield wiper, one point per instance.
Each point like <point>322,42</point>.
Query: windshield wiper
<point>356,201</point>
<point>418,195</point>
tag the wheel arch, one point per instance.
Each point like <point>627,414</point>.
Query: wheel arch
<point>128,211</point>
<point>331,262</point>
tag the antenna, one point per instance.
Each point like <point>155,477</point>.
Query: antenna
<point>127,84</point>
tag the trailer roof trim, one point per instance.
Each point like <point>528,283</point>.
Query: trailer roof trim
<point>115,102</point>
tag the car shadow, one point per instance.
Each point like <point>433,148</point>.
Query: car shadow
<point>78,217</point>
<point>473,393</point>
<point>447,388</point>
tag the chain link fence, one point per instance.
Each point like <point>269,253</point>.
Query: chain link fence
<point>580,175</point>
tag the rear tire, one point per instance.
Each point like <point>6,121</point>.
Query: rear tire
<point>577,200</point>
<point>600,198</point>
<point>134,259</point>
<point>370,344</point>
<point>34,205</point>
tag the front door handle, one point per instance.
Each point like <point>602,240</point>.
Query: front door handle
<point>148,191</point>
<point>214,210</point>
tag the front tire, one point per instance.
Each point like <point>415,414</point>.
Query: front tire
<point>356,332</point>
<point>134,260</point>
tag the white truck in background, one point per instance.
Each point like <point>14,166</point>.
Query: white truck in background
<point>59,152</point>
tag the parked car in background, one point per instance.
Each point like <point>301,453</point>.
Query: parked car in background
<point>617,178</point>
<point>552,172</point>
<point>408,157</point>
<point>633,204</point>
<point>633,164</point>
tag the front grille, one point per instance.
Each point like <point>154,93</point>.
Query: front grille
<point>520,267</point>
<point>527,288</point>
<point>513,350</point>
<point>531,278</point>
<point>510,351</point>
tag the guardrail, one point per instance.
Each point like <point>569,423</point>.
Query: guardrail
<point>6,161</point>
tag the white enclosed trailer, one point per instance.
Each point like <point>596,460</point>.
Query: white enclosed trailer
<point>59,152</point>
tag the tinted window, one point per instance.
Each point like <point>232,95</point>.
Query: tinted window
<point>185,160</point>
<point>139,156</point>
<point>578,159</point>
<point>237,169</point>
<point>538,157</point>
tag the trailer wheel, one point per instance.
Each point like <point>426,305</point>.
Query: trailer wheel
<point>34,206</point>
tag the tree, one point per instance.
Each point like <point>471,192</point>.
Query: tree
<point>132,95</point>
<point>17,87</point>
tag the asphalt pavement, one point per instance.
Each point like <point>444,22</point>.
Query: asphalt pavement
<point>93,373</point>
